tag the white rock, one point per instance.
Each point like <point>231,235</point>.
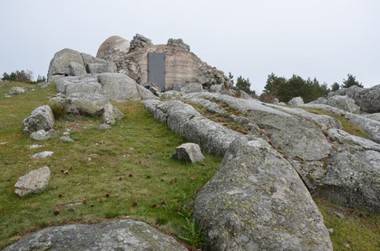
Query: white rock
<point>42,155</point>
<point>189,152</point>
<point>33,182</point>
<point>296,101</point>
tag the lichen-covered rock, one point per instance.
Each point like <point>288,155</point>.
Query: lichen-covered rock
<point>353,177</point>
<point>41,118</point>
<point>87,104</point>
<point>33,182</point>
<point>373,116</point>
<point>115,235</point>
<point>68,62</point>
<point>257,201</point>
<point>296,101</point>
<point>111,114</point>
<point>369,99</point>
<point>189,152</point>
<point>343,102</point>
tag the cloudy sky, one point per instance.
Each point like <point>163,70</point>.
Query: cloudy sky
<point>325,39</point>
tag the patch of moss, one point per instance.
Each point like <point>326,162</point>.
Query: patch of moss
<point>344,122</point>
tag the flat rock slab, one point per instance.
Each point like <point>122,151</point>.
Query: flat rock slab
<point>128,235</point>
<point>33,182</point>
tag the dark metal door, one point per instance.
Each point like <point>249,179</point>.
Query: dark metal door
<point>156,69</point>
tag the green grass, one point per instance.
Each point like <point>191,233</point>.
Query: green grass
<point>345,123</point>
<point>126,171</point>
<point>352,229</point>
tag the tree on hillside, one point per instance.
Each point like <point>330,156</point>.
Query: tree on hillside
<point>244,85</point>
<point>350,81</point>
<point>335,87</point>
<point>20,76</point>
<point>286,89</point>
<point>273,85</point>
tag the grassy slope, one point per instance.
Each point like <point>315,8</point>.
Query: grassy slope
<point>126,171</point>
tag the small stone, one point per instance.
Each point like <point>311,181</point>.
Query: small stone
<point>42,135</point>
<point>104,126</point>
<point>33,182</point>
<point>189,152</point>
<point>331,230</point>
<point>35,146</point>
<point>42,155</point>
<point>16,91</point>
<point>66,139</point>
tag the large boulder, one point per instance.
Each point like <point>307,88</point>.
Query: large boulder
<point>115,235</point>
<point>296,101</point>
<point>112,45</point>
<point>68,62</point>
<point>33,182</point>
<point>343,102</point>
<point>87,104</point>
<point>257,201</point>
<point>41,118</point>
<point>370,99</point>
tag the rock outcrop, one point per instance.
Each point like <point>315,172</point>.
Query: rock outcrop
<point>112,46</point>
<point>114,235</point>
<point>68,62</point>
<point>33,182</point>
<point>367,98</point>
<point>181,65</point>
<point>256,201</point>
<point>343,102</point>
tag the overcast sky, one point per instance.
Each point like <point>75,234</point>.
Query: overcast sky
<point>325,39</point>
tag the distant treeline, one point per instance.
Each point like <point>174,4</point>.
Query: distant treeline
<point>285,89</point>
<point>22,76</point>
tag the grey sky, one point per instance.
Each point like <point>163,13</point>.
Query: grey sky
<point>313,38</point>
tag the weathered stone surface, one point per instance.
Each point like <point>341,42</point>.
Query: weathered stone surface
<point>16,90</point>
<point>88,104</point>
<point>118,86</point>
<point>76,69</point>
<point>112,45</point>
<point>369,99</point>
<point>33,182</point>
<point>352,92</point>
<point>189,152</point>
<point>178,42</point>
<point>69,62</point>
<point>372,127</point>
<point>115,235</point>
<point>60,64</point>
<point>296,101</point>
<point>42,155</point>
<point>41,118</point>
<point>111,114</point>
<point>343,102</point>
<point>256,201</point>
<point>190,87</point>
<point>187,122</point>
<point>42,135</point>
<point>373,116</point>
